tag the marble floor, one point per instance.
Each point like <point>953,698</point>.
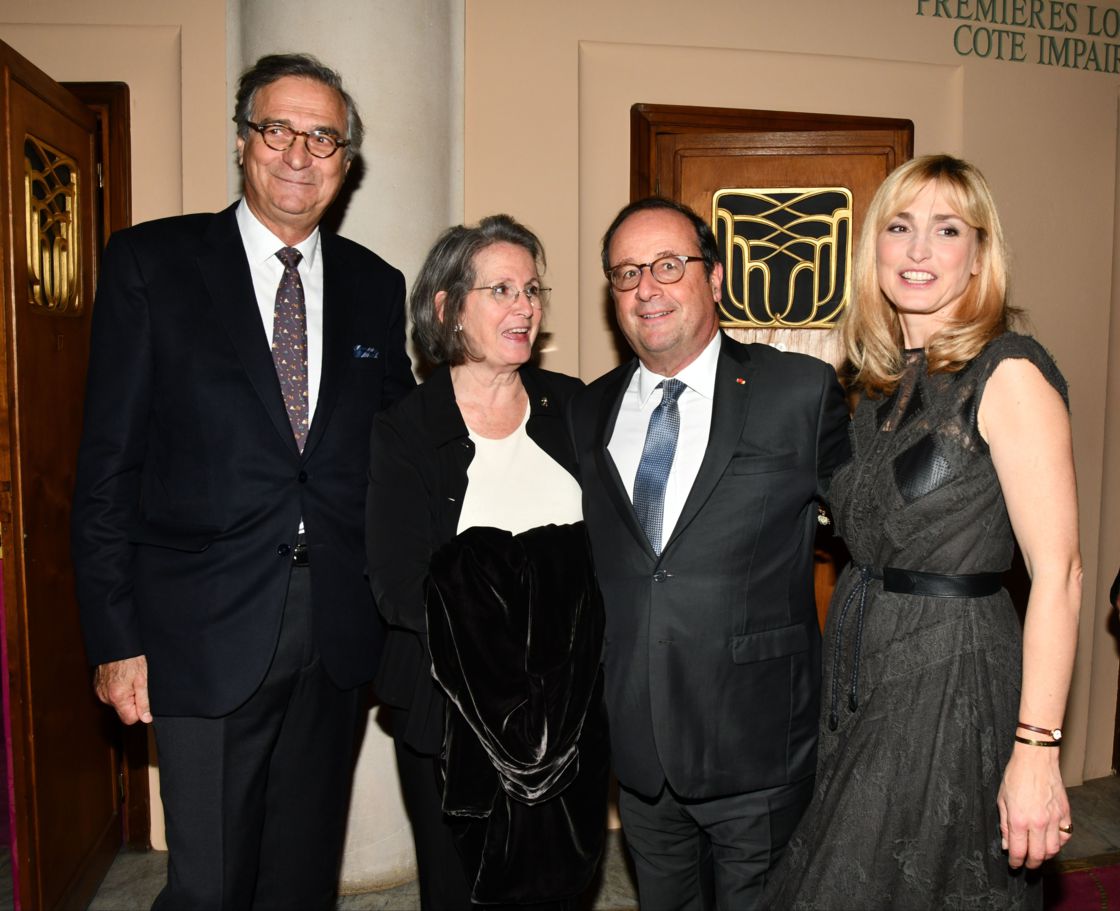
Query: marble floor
<point>135,879</point>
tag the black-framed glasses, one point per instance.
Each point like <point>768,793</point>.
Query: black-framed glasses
<point>280,137</point>
<point>505,295</point>
<point>668,270</point>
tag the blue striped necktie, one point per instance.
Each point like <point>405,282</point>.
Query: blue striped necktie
<point>657,459</point>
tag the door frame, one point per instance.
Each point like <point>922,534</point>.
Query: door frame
<point>648,121</point>
<point>108,122</point>
<point>110,101</point>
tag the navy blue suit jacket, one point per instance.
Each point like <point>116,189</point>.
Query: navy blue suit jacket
<point>190,487</point>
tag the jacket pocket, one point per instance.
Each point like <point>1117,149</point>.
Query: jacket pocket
<point>761,464</point>
<point>189,540</point>
<point>770,643</point>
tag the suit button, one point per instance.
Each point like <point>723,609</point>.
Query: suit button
<point>284,550</point>
<point>303,477</point>
<point>661,576</point>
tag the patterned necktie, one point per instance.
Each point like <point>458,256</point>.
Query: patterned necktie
<point>657,459</point>
<point>289,342</point>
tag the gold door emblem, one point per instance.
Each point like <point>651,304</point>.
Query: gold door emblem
<point>787,256</point>
<point>51,190</point>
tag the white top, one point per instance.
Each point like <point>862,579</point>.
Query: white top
<point>695,406</point>
<point>514,484</point>
<point>261,246</point>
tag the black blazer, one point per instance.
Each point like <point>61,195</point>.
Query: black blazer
<point>712,651</point>
<point>190,487</point>
<point>419,454</point>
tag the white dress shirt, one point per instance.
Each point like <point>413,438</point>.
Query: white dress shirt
<point>261,246</point>
<point>695,406</point>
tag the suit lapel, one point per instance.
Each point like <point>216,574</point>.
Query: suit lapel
<point>609,406</point>
<point>730,407</point>
<point>225,272</point>
<point>337,294</point>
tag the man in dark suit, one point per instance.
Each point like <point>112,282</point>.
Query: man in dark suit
<point>702,464</point>
<point>219,506</point>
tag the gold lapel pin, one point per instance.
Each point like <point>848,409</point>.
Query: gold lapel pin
<point>740,381</point>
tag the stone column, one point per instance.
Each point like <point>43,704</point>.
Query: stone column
<point>403,64</point>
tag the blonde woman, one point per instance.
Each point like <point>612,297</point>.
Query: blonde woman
<point>937,780</point>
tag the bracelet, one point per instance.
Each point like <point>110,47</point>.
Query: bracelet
<point>1056,733</point>
<point>1037,743</point>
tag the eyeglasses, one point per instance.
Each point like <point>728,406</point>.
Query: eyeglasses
<point>668,270</point>
<point>280,137</point>
<point>505,295</point>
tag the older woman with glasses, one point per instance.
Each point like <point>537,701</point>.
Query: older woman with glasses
<point>479,564</point>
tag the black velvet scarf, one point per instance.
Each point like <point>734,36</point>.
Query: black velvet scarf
<point>515,626</point>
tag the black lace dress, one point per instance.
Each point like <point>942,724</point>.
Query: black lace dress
<point>921,694</point>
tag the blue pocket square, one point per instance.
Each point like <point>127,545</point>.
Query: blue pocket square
<point>365,351</point>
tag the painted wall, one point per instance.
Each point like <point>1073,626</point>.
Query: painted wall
<point>549,88</point>
<point>166,54</point>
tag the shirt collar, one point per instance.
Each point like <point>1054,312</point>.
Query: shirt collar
<point>699,376</point>
<point>261,244</point>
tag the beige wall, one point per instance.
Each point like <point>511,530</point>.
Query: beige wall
<point>549,87</point>
<point>166,52</point>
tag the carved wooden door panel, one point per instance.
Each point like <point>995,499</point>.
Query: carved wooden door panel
<point>786,194</point>
<point>63,759</point>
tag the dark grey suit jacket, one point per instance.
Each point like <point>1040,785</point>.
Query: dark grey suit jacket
<point>712,653</point>
<point>190,486</point>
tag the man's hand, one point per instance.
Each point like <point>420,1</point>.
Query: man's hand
<point>124,685</point>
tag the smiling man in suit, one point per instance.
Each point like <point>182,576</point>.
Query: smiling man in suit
<point>702,463</point>
<point>237,360</point>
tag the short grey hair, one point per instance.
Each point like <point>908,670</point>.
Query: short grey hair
<point>272,67</point>
<point>450,268</point>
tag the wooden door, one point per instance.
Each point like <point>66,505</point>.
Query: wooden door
<point>62,745</point>
<point>786,194</point>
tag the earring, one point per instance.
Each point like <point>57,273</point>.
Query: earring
<point>458,327</point>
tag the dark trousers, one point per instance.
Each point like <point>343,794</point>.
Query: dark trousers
<point>439,867</point>
<point>256,801</point>
<point>689,854</point>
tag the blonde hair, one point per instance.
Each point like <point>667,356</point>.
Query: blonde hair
<point>871,331</point>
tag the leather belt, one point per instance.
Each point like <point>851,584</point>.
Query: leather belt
<point>902,582</point>
<point>301,555</point>
<point>939,585</point>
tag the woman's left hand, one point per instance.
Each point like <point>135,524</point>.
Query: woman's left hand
<point>1033,806</point>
